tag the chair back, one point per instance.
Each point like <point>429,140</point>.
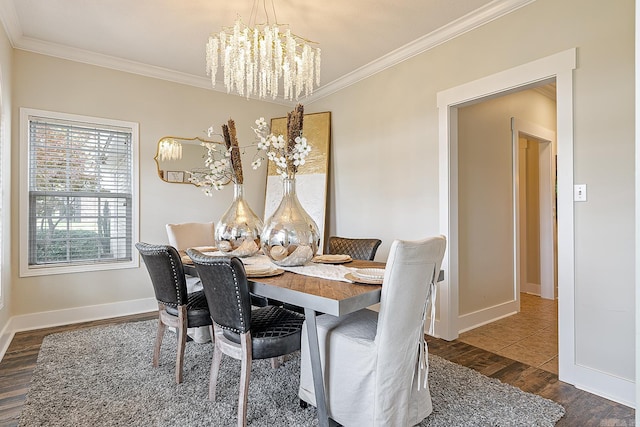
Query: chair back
<point>412,268</point>
<point>355,248</point>
<point>226,289</point>
<point>166,271</point>
<point>191,234</point>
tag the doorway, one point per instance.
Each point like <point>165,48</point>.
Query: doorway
<point>531,335</point>
<point>559,67</point>
<point>535,243</point>
<point>492,203</point>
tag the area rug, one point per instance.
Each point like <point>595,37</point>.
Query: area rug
<point>103,376</point>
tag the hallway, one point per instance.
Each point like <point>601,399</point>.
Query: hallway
<point>530,336</point>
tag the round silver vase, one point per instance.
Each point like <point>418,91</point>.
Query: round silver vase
<point>238,231</point>
<point>290,236</point>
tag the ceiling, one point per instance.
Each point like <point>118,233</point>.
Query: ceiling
<point>166,38</point>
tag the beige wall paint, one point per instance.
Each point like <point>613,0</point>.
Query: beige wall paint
<point>161,108</point>
<point>6,66</point>
<point>485,202</point>
<point>385,151</point>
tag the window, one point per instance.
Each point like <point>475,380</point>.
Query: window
<point>78,193</point>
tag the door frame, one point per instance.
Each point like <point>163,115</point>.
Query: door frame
<point>560,67</point>
<point>546,140</point>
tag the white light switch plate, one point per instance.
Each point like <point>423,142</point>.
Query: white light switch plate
<point>580,193</point>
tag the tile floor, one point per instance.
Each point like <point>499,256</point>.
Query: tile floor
<point>530,336</point>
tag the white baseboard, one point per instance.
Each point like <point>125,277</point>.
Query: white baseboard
<point>5,339</point>
<point>478,318</point>
<point>531,288</point>
<point>605,385</point>
<point>46,319</point>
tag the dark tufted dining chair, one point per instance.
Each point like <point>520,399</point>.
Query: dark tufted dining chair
<point>176,308</point>
<point>240,331</point>
<point>355,248</point>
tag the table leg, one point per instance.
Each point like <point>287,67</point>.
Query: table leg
<point>316,367</point>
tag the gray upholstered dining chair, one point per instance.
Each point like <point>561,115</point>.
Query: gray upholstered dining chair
<point>177,308</point>
<point>191,234</point>
<point>376,364</point>
<point>186,235</point>
<point>355,248</point>
<point>240,331</point>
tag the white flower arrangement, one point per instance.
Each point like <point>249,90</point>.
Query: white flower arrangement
<point>224,164</point>
<point>287,153</point>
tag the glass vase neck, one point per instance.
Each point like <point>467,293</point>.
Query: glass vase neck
<point>238,191</point>
<point>288,185</point>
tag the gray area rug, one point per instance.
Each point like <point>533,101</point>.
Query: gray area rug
<point>103,376</point>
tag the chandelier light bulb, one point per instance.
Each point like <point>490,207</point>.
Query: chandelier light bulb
<point>254,60</point>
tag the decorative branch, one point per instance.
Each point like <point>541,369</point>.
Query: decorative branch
<point>294,130</point>
<point>231,141</point>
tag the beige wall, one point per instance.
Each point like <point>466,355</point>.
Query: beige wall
<point>6,65</point>
<point>161,108</point>
<point>385,151</point>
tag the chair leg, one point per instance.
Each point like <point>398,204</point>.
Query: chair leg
<point>182,341</point>
<point>276,362</point>
<point>158,344</point>
<point>215,367</point>
<point>245,373</point>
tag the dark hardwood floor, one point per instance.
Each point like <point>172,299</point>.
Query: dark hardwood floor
<point>583,409</point>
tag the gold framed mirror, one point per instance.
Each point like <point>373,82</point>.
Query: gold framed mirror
<point>177,158</point>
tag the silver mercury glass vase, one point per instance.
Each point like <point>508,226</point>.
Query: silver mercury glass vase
<point>238,231</point>
<point>290,236</point>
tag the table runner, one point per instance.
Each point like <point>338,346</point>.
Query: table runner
<point>323,271</point>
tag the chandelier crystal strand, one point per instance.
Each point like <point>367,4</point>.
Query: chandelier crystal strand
<point>255,59</point>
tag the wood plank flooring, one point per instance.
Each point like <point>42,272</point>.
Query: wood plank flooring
<point>583,409</point>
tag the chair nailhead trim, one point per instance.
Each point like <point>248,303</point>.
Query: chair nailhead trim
<point>235,281</point>
<point>206,261</point>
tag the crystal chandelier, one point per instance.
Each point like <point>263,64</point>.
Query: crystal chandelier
<point>255,58</point>
<point>170,149</point>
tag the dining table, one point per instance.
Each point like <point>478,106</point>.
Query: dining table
<point>317,295</point>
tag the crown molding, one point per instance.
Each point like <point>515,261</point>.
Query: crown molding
<point>112,62</point>
<point>125,65</point>
<point>10,21</point>
<point>475,19</point>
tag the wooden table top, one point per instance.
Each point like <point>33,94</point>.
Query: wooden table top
<point>323,295</point>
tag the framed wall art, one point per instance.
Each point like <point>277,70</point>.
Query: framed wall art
<point>312,178</point>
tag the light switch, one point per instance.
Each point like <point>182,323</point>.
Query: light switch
<point>580,193</point>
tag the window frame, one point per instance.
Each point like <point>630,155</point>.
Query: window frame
<point>27,270</point>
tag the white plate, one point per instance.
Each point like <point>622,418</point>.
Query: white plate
<point>370,273</point>
<point>362,280</point>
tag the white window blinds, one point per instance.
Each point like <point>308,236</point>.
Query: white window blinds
<point>80,193</point>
